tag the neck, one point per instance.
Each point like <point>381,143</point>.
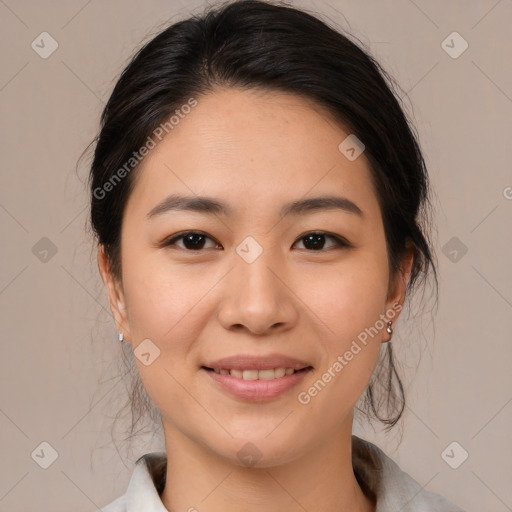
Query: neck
<point>321,479</point>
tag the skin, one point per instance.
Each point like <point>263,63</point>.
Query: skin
<point>255,150</point>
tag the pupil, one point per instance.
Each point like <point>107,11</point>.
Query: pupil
<point>193,242</point>
<point>316,239</point>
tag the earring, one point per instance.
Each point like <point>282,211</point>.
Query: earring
<point>121,337</point>
<point>389,331</point>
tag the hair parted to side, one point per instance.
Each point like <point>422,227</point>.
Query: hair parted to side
<point>253,44</point>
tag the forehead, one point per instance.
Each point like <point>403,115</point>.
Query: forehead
<point>254,145</point>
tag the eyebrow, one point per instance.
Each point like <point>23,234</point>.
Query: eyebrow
<point>213,206</point>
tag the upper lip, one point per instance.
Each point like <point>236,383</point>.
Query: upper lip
<point>262,362</point>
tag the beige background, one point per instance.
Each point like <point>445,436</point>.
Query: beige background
<point>59,352</point>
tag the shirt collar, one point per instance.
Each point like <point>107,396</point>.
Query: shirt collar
<point>376,473</point>
<point>141,493</point>
<point>394,489</point>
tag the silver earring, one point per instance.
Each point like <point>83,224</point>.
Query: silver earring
<point>121,337</point>
<point>389,330</point>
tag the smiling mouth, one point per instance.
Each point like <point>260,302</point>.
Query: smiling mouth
<point>254,374</point>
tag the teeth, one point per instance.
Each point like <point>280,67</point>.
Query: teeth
<point>250,374</point>
<point>269,374</point>
<point>281,372</point>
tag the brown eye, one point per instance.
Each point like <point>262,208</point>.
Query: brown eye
<point>315,241</point>
<point>192,241</point>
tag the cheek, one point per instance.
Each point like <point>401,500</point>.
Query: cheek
<point>160,298</point>
<point>351,298</point>
<point>166,309</point>
<point>355,308</point>
<point>166,305</point>
<point>350,303</point>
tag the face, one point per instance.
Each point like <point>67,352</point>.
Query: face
<point>201,284</point>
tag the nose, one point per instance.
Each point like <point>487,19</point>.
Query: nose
<point>257,298</point>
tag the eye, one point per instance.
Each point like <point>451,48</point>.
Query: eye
<point>316,240</point>
<point>192,240</point>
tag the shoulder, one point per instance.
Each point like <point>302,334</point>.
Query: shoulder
<point>393,488</point>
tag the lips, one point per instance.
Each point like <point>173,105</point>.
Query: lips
<point>243,362</point>
<point>256,378</point>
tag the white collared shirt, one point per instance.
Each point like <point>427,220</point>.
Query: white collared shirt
<point>394,489</point>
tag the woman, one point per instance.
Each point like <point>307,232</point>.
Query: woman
<point>259,201</point>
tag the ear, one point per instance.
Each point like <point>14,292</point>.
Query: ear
<point>115,294</point>
<point>398,288</point>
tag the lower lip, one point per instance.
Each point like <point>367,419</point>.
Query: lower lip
<point>257,390</point>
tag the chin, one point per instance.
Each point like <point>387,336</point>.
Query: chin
<point>253,451</point>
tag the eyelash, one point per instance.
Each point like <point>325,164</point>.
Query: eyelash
<point>340,242</point>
